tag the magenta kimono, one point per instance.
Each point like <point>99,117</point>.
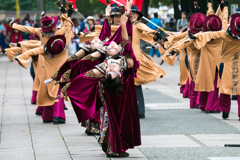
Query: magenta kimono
<point>124,127</point>
<point>106,32</point>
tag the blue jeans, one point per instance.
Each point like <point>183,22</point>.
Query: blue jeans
<point>152,51</point>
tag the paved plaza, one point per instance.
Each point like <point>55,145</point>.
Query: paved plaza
<point>170,131</point>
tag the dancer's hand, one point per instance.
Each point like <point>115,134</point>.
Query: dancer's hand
<point>124,20</point>
<point>108,10</point>
<point>16,62</point>
<point>62,80</point>
<point>13,44</point>
<point>129,6</point>
<point>108,2</point>
<point>161,62</point>
<point>170,53</point>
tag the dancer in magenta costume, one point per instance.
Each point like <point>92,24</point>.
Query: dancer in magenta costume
<point>123,112</point>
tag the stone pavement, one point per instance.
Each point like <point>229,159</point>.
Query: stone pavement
<point>170,130</point>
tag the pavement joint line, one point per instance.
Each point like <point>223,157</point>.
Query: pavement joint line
<point>195,140</point>
<point>3,101</point>
<point>64,142</point>
<point>27,114</point>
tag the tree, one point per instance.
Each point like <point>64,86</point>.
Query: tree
<point>90,7</point>
<point>187,6</point>
<point>145,7</point>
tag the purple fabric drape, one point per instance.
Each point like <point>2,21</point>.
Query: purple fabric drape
<point>105,33</point>
<point>83,66</point>
<point>124,127</point>
<point>83,93</point>
<point>124,124</point>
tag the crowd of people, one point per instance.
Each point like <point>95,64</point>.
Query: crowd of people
<point>103,78</point>
<point>209,57</point>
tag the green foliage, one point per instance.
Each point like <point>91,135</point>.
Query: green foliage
<point>90,7</point>
<point>26,5</point>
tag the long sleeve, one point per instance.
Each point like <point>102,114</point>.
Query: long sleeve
<point>181,45</point>
<point>31,44</point>
<point>29,30</point>
<point>106,29</point>
<point>225,18</point>
<point>25,57</point>
<point>66,26</point>
<point>219,11</point>
<point>67,30</point>
<point>210,9</point>
<point>12,52</point>
<point>171,59</point>
<point>176,37</point>
<point>204,38</point>
<point>88,37</point>
<point>142,27</point>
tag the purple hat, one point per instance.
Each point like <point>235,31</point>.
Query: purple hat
<point>48,23</point>
<point>235,24</point>
<point>56,44</point>
<point>196,22</point>
<point>212,23</point>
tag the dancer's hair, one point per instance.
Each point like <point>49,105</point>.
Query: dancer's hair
<point>113,85</point>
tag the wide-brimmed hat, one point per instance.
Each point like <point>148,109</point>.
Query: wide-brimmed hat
<point>115,9</point>
<point>135,9</point>
<point>90,18</point>
<point>48,23</point>
<point>235,24</point>
<point>56,44</point>
<point>114,5</point>
<point>34,37</point>
<point>196,22</point>
<point>212,23</point>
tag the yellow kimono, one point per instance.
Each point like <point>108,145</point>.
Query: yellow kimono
<point>210,59</point>
<point>173,41</point>
<point>149,71</point>
<point>230,56</point>
<point>46,93</point>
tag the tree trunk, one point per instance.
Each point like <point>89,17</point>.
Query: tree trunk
<point>203,6</point>
<point>177,13</point>
<point>216,4</point>
<point>145,7</point>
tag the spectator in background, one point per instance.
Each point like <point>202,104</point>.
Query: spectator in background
<point>16,35</point>
<point>168,27</point>
<point>172,24</point>
<point>156,21</point>
<point>183,21</point>
<point>26,23</point>
<point>180,29</point>
<point>167,20</point>
<point>74,43</point>
<point>90,22</point>
<point>8,31</point>
<point>2,39</point>
<point>101,20</point>
<point>82,25</point>
<point>150,25</point>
